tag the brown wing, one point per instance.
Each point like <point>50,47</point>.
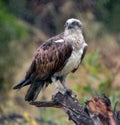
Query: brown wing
<point>84,52</point>
<point>50,57</point>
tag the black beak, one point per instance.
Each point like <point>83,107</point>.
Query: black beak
<point>70,26</point>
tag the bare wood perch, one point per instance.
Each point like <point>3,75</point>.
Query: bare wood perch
<point>96,112</point>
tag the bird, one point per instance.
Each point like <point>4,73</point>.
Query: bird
<point>55,59</point>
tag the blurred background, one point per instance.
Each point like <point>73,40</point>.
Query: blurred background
<point>24,24</point>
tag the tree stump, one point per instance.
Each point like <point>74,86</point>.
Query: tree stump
<point>97,110</point>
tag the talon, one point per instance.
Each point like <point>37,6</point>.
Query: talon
<point>74,95</point>
<point>68,92</point>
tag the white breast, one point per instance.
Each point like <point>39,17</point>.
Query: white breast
<point>73,62</point>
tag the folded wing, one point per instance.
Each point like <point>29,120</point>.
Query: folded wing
<point>49,58</point>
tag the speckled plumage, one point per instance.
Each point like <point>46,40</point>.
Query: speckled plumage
<point>54,59</point>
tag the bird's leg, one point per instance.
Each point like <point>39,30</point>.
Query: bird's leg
<point>58,88</point>
<point>63,81</point>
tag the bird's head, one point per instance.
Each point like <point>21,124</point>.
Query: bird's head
<point>73,24</point>
<point>73,30</point>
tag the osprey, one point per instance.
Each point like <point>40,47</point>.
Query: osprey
<point>55,59</point>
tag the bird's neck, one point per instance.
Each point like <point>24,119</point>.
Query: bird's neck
<point>75,37</point>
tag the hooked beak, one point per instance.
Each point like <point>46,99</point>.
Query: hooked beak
<point>70,26</point>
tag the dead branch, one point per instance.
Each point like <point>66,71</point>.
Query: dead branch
<point>96,112</point>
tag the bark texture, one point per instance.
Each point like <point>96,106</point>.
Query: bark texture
<point>97,110</point>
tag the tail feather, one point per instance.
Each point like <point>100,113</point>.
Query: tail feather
<point>22,84</point>
<point>34,90</point>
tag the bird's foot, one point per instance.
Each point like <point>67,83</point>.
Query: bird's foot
<point>71,93</point>
<point>68,92</point>
<point>65,91</point>
<point>59,89</point>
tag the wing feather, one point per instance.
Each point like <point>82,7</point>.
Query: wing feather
<point>50,57</point>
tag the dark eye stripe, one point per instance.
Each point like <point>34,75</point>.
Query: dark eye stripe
<point>74,23</point>
<point>80,25</point>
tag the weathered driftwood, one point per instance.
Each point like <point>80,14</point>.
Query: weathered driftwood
<point>96,112</point>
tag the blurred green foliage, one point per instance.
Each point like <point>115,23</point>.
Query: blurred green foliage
<point>98,73</point>
<point>108,11</point>
<point>10,26</point>
<point>11,31</point>
<point>36,12</point>
<point>100,79</point>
